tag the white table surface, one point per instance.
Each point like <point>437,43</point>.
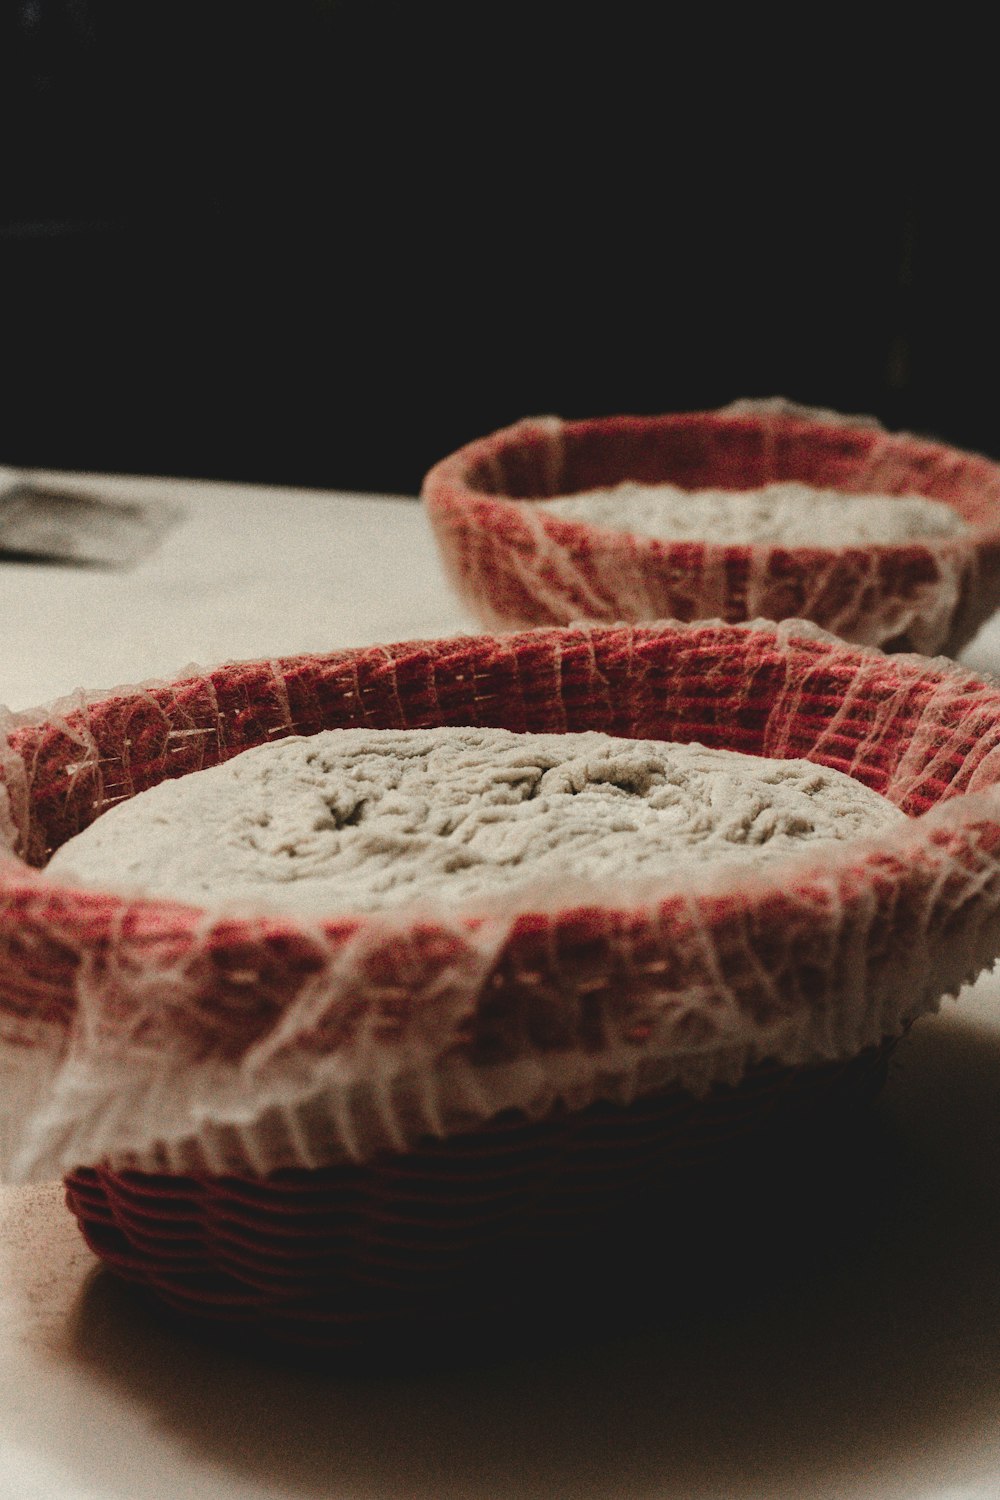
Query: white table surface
<point>871,1371</point>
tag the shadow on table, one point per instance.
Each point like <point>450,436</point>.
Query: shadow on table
<point>839,1330</point>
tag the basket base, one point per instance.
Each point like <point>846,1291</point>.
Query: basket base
<point>503,1226</point>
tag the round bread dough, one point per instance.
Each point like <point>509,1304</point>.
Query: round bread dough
<point>360,820</point>
<point>785,514</point>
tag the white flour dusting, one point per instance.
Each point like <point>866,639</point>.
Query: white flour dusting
<point>787,513</point>
<point>360,820</point>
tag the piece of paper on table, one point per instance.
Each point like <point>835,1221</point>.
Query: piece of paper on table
<point>47,520</point>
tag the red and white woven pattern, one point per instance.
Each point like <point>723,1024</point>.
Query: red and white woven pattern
<point>330,1129</point>
<point>174,1039</point>
<point>492,1221</point>
<point>515,565</point>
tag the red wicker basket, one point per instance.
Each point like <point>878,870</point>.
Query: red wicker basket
<point>514,565</point>
<point>231,1094</point>
<point>430,1245</point>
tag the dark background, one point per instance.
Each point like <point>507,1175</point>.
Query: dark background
<point>326,243</point>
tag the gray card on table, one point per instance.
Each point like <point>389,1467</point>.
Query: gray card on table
<point>49,520</point>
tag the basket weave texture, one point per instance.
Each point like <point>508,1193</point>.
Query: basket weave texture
<point>435,1240</point>
<point>316,1087</point>
<point>514,564</point>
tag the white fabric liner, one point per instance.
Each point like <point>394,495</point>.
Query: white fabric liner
<point>107,1095</point>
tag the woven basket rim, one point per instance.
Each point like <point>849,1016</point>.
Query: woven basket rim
<point>452,479</point>
<point>104,911</point>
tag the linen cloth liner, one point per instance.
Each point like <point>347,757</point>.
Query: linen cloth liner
<point>181,1039</point>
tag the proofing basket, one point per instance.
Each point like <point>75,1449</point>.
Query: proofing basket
<point>320,1130</point>
<point>513,564</point>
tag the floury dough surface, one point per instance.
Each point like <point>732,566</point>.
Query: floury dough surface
<point>787,513</point>
<point>360,820</point>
